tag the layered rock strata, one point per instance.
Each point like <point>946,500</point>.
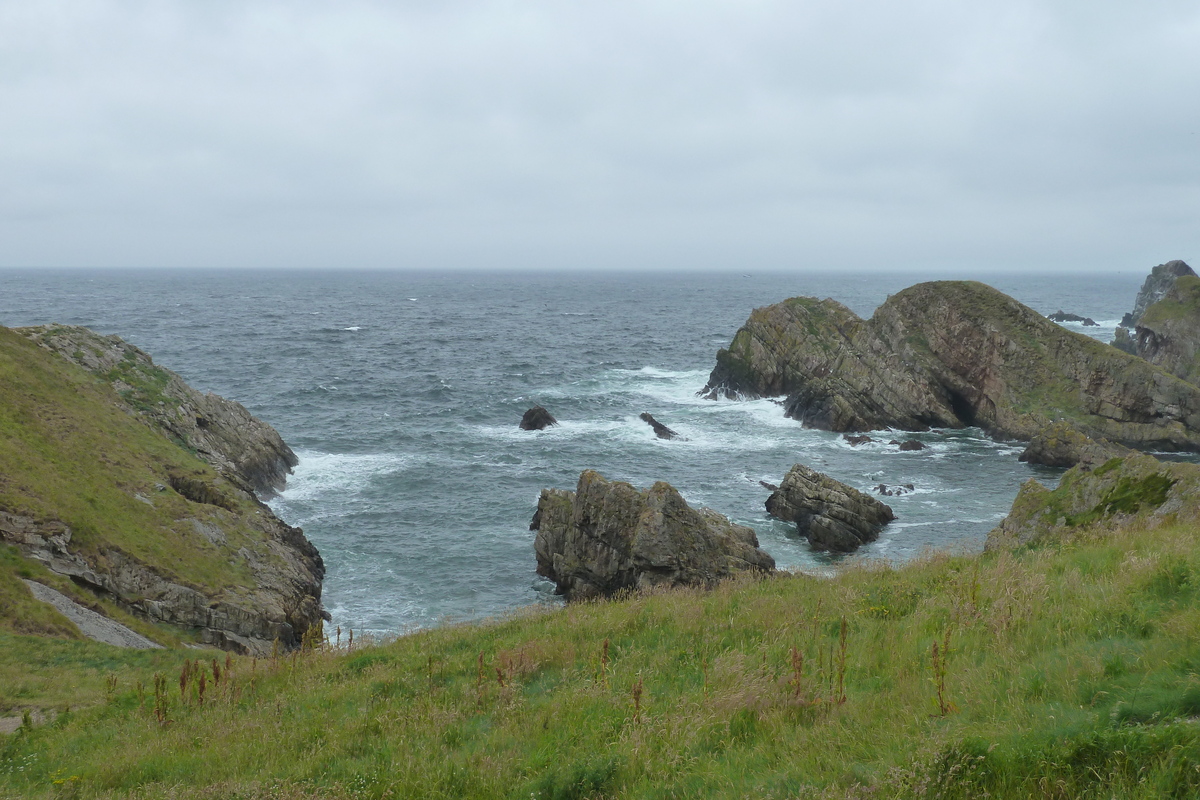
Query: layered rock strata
<point>92,488</point>
<point>828,513</point>
<point>951,354</point>
<point>220,431</point>
<point>607,537</point>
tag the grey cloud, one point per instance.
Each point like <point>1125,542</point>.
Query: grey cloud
<point>703,134</point>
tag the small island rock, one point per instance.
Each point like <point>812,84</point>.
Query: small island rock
<point>660,430</point>
<point>536,419</point>
<point>830,514</point>
<point>607,537</point>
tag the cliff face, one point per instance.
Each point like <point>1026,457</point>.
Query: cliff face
<point>951,354</point>
<point>91,487</point>
<point>607,537</point>
<point>1157,284</point>
<point>221,431</point>
<point>1168,331</point>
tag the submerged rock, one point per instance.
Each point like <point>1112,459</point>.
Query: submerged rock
<point>894,491</point>
<point>1063,316</point>
<point>855,441</point>
<point>1136,490</point>
<point>951,354</point>
<point>536,419</point>
<point>911,445</point>
<point>660,430</point>
<point>830,514</point>
<point>1156,285</point>
<point>607,537</point>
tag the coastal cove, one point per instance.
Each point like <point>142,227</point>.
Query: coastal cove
<point>401,394</point>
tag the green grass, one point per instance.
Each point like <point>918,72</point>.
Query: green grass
<point>1073,671</point>
<point>70,452</point>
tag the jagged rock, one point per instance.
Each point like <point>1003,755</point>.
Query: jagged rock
<point>830,514</point>
<point>221,431</point>
<point>1124,342</point>
<point>1168,333</point>
<point>770,487</point>
<point>536,419</point>
<point>911,445</point>
<point>1135,491</point>
<point>607,537</point>
<point>660,430</point>
<point>951,354</point>
<point>1063,316</point>
<point>855,441</point>
<point>1064,445</point>
<point>897,491</point>
<point>1160,279</point>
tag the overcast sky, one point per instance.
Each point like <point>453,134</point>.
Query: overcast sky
<point>747,135</point>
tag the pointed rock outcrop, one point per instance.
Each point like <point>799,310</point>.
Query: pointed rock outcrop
<point>607,537</point>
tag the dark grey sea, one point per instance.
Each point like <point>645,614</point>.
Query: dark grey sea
<point>401,393</point>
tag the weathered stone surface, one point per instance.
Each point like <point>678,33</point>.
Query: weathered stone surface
<point>283,602</point>
<point>536,419</point>
<point>660,430</point>
<point>221,431</point>
<point>1137,490</point>
<point>1168,333</point>
<point>1063,316</point>
<point>830,514</point>
<point>1061,444</point>
<point>607,537</point>
<point>951,354</point>
<point>1156,285</point>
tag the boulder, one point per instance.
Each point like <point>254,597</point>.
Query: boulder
<point>912,445</point>
<point>660,430</point>
<point>855,441</point>
<point>607,537</point>
<point>951,354</point>
<point>1063,316</point>
<point>1136,491</point>
<point>536,419</point>
<point>1062,444</point>
<point>830,514</point>
<point>1160,279</point>
<point>222,432</point>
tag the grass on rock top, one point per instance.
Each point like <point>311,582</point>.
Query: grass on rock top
<point>1063,671</point>
<point>70,452</point>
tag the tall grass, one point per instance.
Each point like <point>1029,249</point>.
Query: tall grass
<point>1064,671</point>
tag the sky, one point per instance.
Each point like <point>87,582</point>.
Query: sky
<point>707,135</point>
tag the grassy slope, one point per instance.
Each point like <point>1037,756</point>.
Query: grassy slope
<point>68,452</point>
<point>1072,672</point>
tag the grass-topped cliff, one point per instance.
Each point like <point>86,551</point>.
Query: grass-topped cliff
<point>1065,670</point>
<point>92,490</point>
<point>952,354</point>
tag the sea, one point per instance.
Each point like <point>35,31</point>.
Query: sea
<point>401,392</point>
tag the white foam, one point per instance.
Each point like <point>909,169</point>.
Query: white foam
<point>353,328</point>
<point>319,473</point>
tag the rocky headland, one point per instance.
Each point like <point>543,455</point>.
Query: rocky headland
<point>142,490</point>
<point>607,537</point>
<point>1154,288</point>
<point>1167,333</point>
<point>951,354</point>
